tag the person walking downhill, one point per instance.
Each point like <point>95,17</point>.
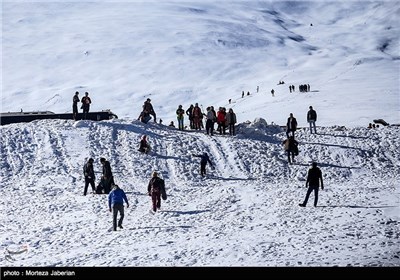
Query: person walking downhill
<point>75,101</point>
<point>311,119</point>
<point>88,172</point>
<point>116,200</point>
<point>155,189</point>
<point>180,113</point>
<point>313,179</point>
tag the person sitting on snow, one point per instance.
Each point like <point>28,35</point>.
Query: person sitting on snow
<point>144,146</point>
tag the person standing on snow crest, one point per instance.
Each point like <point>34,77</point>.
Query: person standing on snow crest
<point>147,106</point>
<point>203,163</point>
<point>189,112</point>
<point>156,190</point>
<point>86,101</point>
<point>311,119</point>
<point>89,175</point>
<point>116,200</point>
<point>197,116</point>
<point>313,178</point>
<point>210,116</point>
<point>231,121</point>
<point>180,113</point>
<point>75,101</point>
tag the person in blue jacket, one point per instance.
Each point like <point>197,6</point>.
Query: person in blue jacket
<point>203,162</point>
<point>116,200</point>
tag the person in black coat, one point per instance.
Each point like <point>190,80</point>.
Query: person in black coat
<point>107,179</point>
<point>203,163</point>
<point>313,178</point>
<point>75,101</point>
<point>189,112</point>
<point>147,106</point>
<point>86,101</point>
<point>291,125</point>
<point>88,172</point>
<point>311,119</point>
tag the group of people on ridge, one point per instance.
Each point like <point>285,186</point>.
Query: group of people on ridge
<point>223,119</point>
<point>86,101</point>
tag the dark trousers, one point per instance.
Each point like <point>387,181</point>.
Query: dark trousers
<point>156,199</point>
<point>290,154</point>
<point>231,129</point>
<point>85,111</point>
<point>154,116</point>
<point>310,189</point>
<point>289,133</point>
<point>203,169</point>
<point>106,183</point>
<point>87,182</point>
<point>191,122</point>
<point>210,127</point>
<point>75,111</point>
<point>118,208</point>
<point>221,128</point>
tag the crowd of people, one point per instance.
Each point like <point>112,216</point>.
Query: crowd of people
<point>225,120</point>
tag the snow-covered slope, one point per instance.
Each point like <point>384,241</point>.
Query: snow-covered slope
<point>244,213</point>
